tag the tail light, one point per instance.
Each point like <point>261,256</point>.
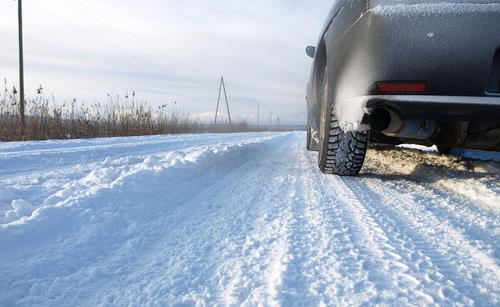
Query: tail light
<point>402,87</point>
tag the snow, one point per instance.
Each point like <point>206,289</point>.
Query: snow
<point>477,154</point>
<point>407,8</point>
<point>243,219</point>
<point>350,113</point>
<point>20,208</point>
<point>419,147</point>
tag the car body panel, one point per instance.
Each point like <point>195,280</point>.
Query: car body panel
<point>450,45</point>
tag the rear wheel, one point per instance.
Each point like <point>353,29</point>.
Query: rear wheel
<point>340,153</point>
<point>311,144</point>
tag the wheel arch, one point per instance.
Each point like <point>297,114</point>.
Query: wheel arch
<point>320,63</point>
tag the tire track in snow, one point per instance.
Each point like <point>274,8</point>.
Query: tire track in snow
<point>255,261</point>
<point>380,256</point>
<point>214,234</point>
<point>324,266</point>
<point>418,259</point>
<point>340,255</point>
<point>481,227</point>
<point>473,272</point>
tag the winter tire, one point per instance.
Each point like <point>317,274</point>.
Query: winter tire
<point>311,144</point>
<point>340,153</point>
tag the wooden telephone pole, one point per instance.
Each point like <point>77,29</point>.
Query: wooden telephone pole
<point>222,86</point>
<point>271,120</point>
<point>21,69</point>
<point>258,113</point>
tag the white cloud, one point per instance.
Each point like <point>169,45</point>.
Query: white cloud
<point>168,51</point>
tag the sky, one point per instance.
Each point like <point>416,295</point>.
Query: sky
<point>167,51</point>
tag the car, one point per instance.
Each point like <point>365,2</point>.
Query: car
<point>393,72</point>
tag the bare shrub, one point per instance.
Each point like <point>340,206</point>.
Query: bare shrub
<point>119,116</point>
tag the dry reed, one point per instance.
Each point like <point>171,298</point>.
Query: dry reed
<point>119,116</point>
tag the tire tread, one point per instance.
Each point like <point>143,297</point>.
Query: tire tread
<point>345,151</point>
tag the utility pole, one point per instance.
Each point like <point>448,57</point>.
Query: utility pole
<point>218,101</point>
<point>258,114</point>
<point>271,120</point>
<point>222,86</point>
<point>21,69</point>
<point>225,95</point>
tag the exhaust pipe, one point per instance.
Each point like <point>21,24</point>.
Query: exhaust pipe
<point>390,124</point>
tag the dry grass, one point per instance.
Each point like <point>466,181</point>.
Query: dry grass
<point>119,116</point>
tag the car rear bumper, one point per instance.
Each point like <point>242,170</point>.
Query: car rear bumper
<point>353,113</point>
<point>444,108</point>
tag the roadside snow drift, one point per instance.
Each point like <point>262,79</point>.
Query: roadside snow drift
<point>242,219</point>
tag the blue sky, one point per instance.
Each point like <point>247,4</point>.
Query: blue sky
<point>168,51</point>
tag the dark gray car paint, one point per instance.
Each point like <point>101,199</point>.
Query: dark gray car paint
<point>452,50</point>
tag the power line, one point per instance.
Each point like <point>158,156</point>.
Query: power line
<point>132,37</point>
<point>126,34</point>
<point>128,53</point>
<point>91,13</point>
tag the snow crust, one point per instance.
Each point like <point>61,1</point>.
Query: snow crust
<point>350,113</point>
<point>243,219</point>
<point>434,7</point>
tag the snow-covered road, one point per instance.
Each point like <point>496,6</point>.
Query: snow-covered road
<point>242,219</point>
